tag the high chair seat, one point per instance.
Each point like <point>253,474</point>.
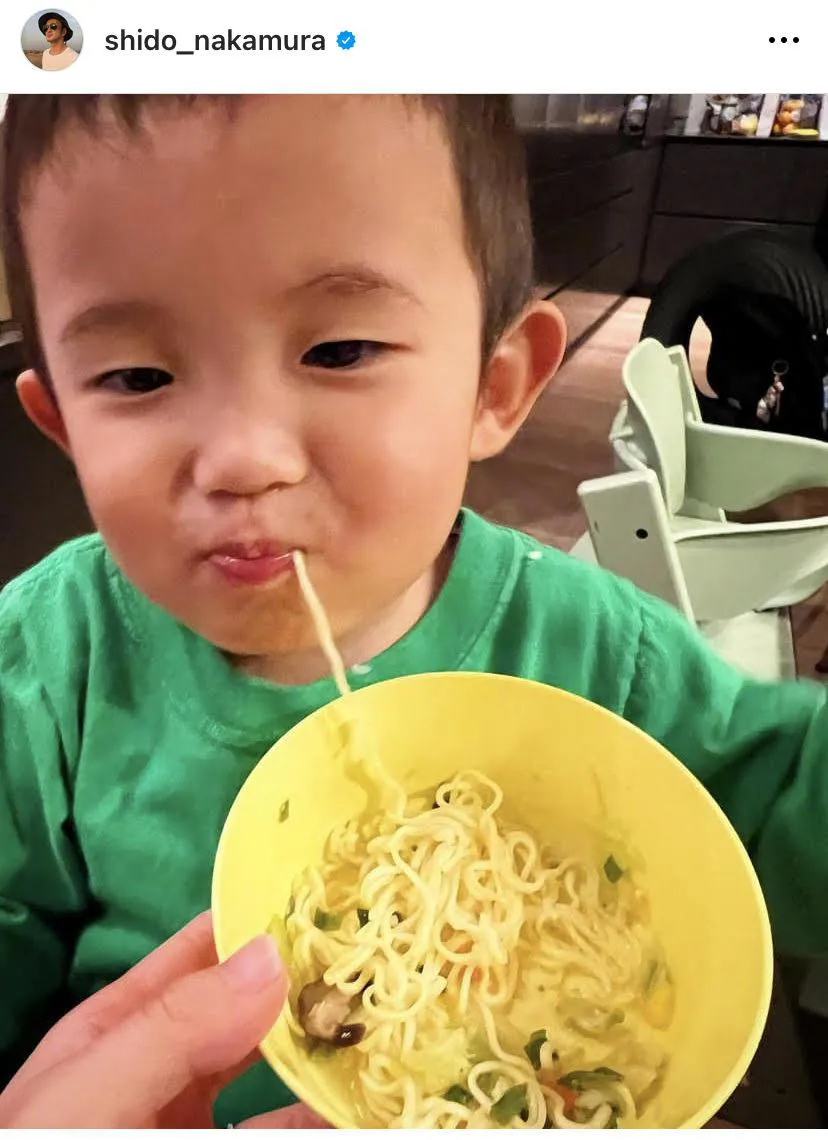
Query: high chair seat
<point>661,519</point>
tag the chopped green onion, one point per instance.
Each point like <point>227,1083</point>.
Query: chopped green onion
<point>486,1082</point>
<point>511,1104</point>
<point>362,915</point>
<point>284,811</point>
<point>572,1081</point>
<point>581,1080</point>
<point>458,1095</point>
<point>612,870</point>
<point>322,920</point>
<point>533,1047</point>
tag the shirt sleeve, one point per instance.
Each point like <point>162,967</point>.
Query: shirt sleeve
<point>42,882</point>
<point>761,749</point>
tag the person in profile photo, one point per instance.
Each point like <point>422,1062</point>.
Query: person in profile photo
<point>57,31</point>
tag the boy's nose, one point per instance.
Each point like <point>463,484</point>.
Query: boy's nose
<point>248,458</point>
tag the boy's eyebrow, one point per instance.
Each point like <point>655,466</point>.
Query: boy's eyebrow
<point>356,280</point>
<point>108,315</point>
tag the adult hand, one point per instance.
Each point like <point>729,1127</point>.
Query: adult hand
<point>153,1049</point>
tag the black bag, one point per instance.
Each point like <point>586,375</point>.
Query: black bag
<point>765,302</point>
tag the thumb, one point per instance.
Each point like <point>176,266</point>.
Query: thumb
<point>200,1026</point>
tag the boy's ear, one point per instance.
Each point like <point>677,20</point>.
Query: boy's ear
<point>524,361</point>
<point>41,407</point>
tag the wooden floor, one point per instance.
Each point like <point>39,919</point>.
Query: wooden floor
<point>533,485</point>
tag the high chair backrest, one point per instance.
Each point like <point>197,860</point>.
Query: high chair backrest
<point>657,414</point>
<point>691,507</point>
<point>684,374</point>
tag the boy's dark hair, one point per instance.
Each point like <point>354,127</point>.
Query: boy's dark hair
<point>68,31</point>
<point>488,157</point>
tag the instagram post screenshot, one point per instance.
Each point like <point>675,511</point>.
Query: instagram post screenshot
<point>413,567</point>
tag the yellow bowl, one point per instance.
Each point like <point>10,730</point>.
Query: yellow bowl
<point>570,771</point>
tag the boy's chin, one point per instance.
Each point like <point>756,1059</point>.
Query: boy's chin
<point>268,644</point>
<point>263,645</point>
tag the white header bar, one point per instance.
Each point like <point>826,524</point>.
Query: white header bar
<point>520,46</point>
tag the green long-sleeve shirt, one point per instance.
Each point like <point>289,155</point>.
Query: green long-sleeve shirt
<point>124,738</point>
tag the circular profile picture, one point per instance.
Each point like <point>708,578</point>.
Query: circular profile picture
<point>52,39</point>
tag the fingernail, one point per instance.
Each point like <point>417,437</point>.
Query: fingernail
<point>256,966</point>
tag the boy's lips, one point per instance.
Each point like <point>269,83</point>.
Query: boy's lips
<point>251,563</point>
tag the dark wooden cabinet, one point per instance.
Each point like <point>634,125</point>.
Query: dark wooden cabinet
<point>708,188</point>
<point>591,198</point>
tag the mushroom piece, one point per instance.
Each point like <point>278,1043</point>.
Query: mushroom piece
<point>323,1012</point>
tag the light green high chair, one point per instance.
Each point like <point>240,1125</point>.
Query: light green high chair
<point>629,453</point>
<point>661,520</point>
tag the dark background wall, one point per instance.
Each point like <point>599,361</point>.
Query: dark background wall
<point>40,504</point>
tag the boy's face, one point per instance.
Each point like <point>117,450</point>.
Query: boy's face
<point>263,332</point>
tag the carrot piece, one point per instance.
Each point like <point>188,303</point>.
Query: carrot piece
<point>570,1098</point>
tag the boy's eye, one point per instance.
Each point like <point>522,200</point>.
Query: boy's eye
<point>341,353</point>
<point>135,380</point>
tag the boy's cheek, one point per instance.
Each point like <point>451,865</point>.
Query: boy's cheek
<point>119,475</point>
